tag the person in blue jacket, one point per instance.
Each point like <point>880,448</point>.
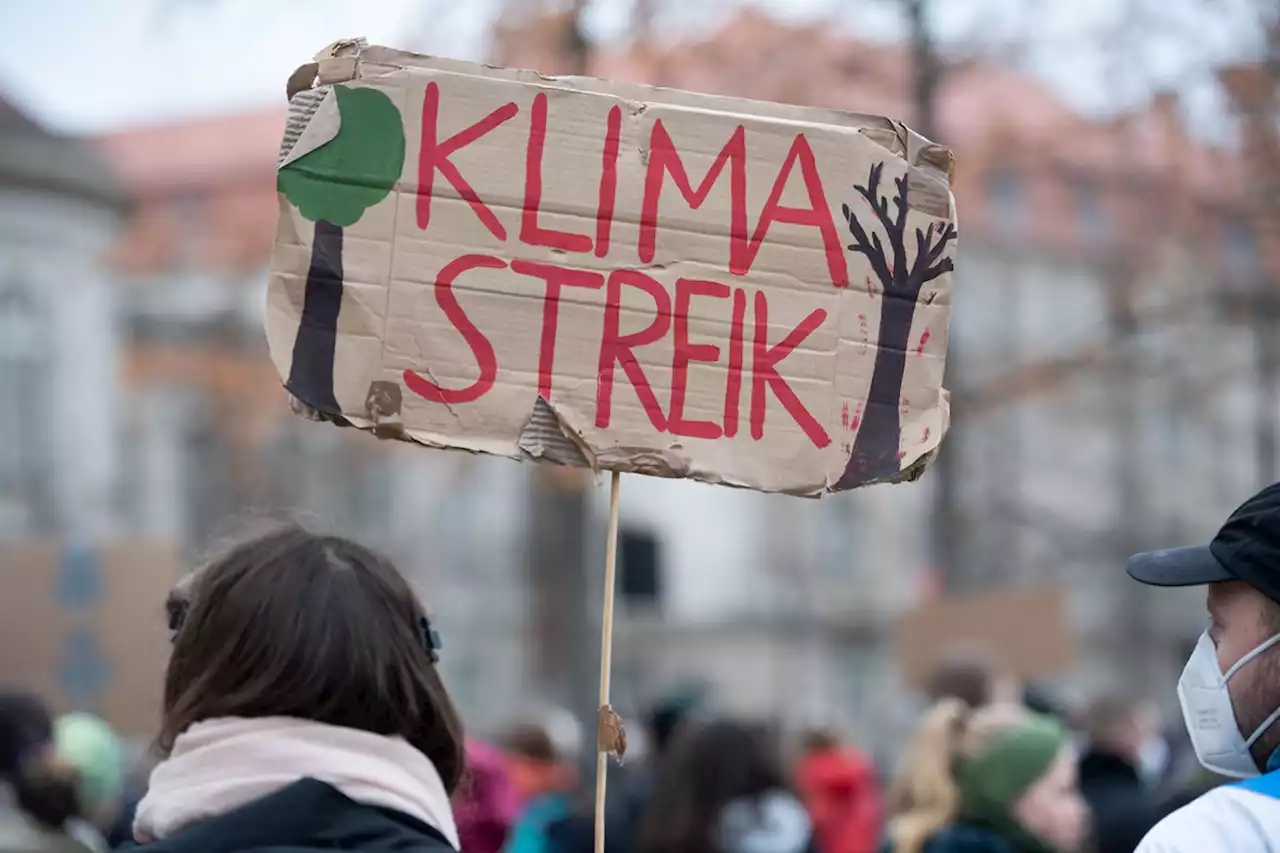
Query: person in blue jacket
<point>542,758</point>
<point>1230,688</point>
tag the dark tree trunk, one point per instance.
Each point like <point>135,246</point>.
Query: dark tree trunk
<point>311,374</point>
<point>875,450</point>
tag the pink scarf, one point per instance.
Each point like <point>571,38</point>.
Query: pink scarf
<point>219,765</point>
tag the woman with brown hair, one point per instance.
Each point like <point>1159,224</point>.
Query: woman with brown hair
<point>998,779</point>
<point>302,708</point>
<point>721,789</point>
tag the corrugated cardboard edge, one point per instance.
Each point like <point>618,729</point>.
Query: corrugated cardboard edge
<point>312,121</point>
<point>548,435</point>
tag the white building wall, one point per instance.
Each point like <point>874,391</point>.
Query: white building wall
<point>54,245</point>
<point>711,538</point>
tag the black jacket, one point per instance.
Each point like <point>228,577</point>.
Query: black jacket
<point>121,832</point>
<point>306,816</point>
<point>1123,809</point>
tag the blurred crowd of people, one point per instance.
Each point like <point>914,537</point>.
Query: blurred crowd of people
<point>302,710</point>
<point>989,768</point>
<point>66,784</point>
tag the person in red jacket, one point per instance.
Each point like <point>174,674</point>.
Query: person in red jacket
<point>842,795</point>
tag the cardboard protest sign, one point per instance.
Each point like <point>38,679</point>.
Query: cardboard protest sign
<point>1025,631</point>
<point>85,626</point>
<point>611,275</point>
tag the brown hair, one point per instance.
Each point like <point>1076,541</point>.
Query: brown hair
<point>1108,717</point>
<point>708,766</point>
<point>1271,614</point>
<point>295,624</point>
<point>819,740</point>
<point>532,742</point>
<point>968,676</point>
<point>552,737</point>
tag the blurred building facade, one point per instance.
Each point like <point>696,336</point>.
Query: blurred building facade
<point>60,211</point>
<point>1106,390</point>
<point>1106,396</point>
<point>212,448</point>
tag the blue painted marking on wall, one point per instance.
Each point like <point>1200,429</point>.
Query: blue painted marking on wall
<point>83,672</point>
<point>78,582</point>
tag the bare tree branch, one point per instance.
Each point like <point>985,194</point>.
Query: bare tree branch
<point>894,274</point>
<point>929,263</point>
<point>872,248</point>
<point>933,272</point>
<point>871,192</point>
<point>900,224</point>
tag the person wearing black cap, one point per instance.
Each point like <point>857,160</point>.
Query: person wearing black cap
<point>1230,688</point>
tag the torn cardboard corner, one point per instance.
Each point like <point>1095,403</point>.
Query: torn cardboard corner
<point>549,435</point>
<point>611,276</point>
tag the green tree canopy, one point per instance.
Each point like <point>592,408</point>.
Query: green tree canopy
<point>355,170</point>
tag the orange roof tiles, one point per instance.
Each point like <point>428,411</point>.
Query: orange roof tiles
<point>181,158</point>
<point>205,192</point>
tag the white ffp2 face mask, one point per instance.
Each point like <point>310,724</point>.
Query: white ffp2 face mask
<point>1210,719</point>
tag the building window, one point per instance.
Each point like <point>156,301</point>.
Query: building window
<point>205,472</point>
<point>640,564</point>
<point>23,502</point>
<point>1240,252</point>
<point>189,213</point>
<point>1094,222</point>
<point>837,553</point>
<point>1006,200</point>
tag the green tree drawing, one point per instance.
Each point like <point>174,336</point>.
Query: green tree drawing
<point>333,186</point>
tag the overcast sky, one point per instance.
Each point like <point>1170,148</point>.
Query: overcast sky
<point>84,66</point>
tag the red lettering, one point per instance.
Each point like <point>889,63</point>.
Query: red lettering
<point>733,381</point>
<point>685,352</point>
<point>764,373</point>
<point>664,159</point>
<point>532,234</point>
<point>555,277</point>
<point>816,215</point>
<point>434,157</point>
<point>616,348</point>
<point>608,182</point>
<point>481,348</point>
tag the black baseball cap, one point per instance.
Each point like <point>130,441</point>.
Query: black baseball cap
<point>1247,548</point>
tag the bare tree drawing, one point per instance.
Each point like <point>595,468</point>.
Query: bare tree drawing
<point>875,450</point>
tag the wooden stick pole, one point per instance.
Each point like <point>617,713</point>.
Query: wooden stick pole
<point>606,653</point>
